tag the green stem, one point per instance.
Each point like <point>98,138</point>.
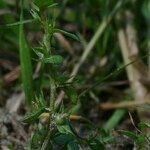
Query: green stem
<point>53,94</point>
<point>51,68</point>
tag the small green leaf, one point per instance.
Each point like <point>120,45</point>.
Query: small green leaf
<point>64,129</point>
<point>43,3</point>
<point>39,54</point>
<point>40,101</point>
<point>30,118</point>
<point>55,59</point>
<point>53,5</point>
<point>35,7</point>
<point>143,125</point>
<point>35,15</point>
<point>73,36</point>
<point>72,94</point>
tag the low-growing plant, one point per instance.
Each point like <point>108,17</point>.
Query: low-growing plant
<point>54,129</point>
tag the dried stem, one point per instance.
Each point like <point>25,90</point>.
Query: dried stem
<point>125,104</point>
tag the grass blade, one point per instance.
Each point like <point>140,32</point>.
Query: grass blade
<point>20,22</point>
<point>25,61</point>
<point>115,118</point>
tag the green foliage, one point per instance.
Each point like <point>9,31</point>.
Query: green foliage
<point>59,129</point>
<point>43,3</point>
<point>72,146</point>
<point>25,60</point>
<point>54,59</point>
<point>32,117</point>
<point>67,34</point>
<point>63,134</point>
<point>140,139</point>
<point>40,108</point>
<point>72,94</point>
<point>114,119</point>
<point>96,144</point>
<point>38,138</point>
<point>143,125</point>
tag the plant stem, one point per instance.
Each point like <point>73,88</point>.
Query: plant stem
<point>47,143</point>
<point>53,93</point>
<point>51,68</point>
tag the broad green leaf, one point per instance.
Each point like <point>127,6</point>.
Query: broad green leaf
<point>25,60</point>
<point>71,93</point>
<point>73,36</point>
<point>30,118</point>
<point>55,59</point>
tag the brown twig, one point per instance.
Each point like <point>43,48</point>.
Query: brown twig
<point>125,104</point>
<point>64,43</point>
<point>127,38</point>
<point>11,76</point>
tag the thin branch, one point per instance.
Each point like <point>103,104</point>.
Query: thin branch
<point>125,104</point>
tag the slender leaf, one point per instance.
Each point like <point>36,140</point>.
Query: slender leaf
<point>20,22</point>
<point>114,119</point>
<point>25,60</point>
<point>73,36</point>
<point>30,118</point>
<point>129,134</point>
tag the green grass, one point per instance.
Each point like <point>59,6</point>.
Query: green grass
<point>25,61</point>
